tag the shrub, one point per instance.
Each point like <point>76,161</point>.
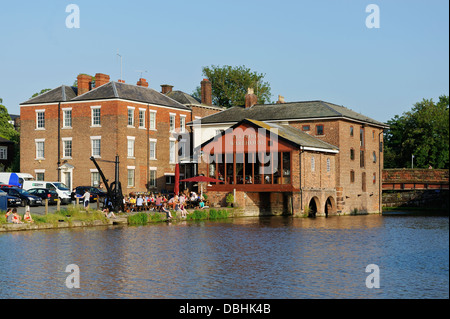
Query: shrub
<point>197,214</point>
<point>138,219</point>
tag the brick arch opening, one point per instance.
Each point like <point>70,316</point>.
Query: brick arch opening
<point>313,205</point>
<point>330,206</point>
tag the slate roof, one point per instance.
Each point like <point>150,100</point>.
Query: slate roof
<point>289,133</point>
<point>110,90</point>
<point>62,93</point>
<point>130,92</point>
<point>288,111</point>
<point>184,98</point>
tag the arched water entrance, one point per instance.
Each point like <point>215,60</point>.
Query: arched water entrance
<point>330,206</point>
<point>313,207</point>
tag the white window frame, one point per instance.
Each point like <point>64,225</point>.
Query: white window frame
<point>3,152</point>
<point>39,171</point>
<point>172,151</point>
<point>65,118</point>
<point>94,109</point>
<point>96,138</point>
<point>130,108</point>
<point>152,181</point>
<point>182,123</point>
<point>38,126</point>
<point>131,169</point>
<point>172,123</point>
<point>142,119</point>
<point>94,172</point>
<point>152,120</point>
<point>64,145</point>
<point>131,142</point>
<point>154,142</point>
<point>37,142</point>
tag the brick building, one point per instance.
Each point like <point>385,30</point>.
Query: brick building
<point>64,127</point>
<point>357,165</point>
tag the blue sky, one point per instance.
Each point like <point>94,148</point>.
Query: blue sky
<point>308,50</point>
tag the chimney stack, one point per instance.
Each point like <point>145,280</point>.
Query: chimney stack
<point>206,91</point>
<point>84,83</point>
<point>280,99</point>
<point>142,82</point>
<point>121,81</point>
<point>166,88</point>
<point>250,98</point>
<point>101,79</point>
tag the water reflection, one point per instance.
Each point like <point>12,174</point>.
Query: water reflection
<point>277,257</point>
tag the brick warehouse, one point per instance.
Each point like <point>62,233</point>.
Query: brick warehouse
<point>357,165</point>
<point>62,128</point>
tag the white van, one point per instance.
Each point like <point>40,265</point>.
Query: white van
<point>15,179</point>
<point>62,190</point>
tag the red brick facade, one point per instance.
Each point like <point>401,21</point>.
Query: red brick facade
<point>113,132</point>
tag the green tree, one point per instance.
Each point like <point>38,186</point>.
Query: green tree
<point>422,132</point>
<point>42,92</point>
<point>7,131</point>
<point>230,84</point>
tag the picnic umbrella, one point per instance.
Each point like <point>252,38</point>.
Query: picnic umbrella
<point>176,188</point>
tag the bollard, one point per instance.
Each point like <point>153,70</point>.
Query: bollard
<point>77,203</point>
<point>58,204</point>
<point>98,204</point>
<point>46,206</point>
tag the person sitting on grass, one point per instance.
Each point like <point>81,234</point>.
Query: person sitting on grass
<point>9,215</point>
<point>27,217</point>
<point>16,217</point>
<point>201,205</point>
<point>108,214</point>
<point>167,211</point>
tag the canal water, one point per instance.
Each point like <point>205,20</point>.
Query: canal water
<point>275,257</point>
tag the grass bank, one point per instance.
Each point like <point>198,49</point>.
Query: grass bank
<point>144,218</point>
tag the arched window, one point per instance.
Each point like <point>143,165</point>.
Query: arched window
<point>352,176</point>
<point>313,164</point>
<point>328,165</point>
<point>374,157</point>
<point>352,154</point>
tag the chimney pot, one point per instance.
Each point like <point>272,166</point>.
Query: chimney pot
<point>280,99</point>
<point>101,79</point>
<point>166,88</point>
<point>206,91</point>
<point>250,98</point>
<point>142,82</point>
<point>84,82</point>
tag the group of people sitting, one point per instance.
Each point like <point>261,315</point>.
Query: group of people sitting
<point>14,218</point>
<point>145,202</point>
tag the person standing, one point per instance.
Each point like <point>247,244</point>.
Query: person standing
<point>86,198</point>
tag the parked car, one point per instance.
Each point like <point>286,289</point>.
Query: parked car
<point>60,188</point>
<point>94,191</point>
<point>12,200</point>
<point>27,198</point>
<point>45,193</point>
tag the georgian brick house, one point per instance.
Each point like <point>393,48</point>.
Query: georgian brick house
<point>64,127</point>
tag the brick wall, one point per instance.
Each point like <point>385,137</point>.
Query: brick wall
<point>114,133</point>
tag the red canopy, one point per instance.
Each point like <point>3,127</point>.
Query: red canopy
<point>202,179</point>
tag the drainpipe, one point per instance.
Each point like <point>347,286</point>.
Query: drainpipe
<point>59,141</point>
<point>148,146</point>
<point>380,177</point>
<point>300,170</point>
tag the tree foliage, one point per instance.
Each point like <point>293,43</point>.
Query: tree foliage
<point>230,84</point>
<point>7,131</point>
<point>39,93</point>
<point>422,132</point>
